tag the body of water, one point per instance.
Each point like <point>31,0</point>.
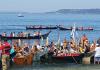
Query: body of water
<point>10,22</point>
<point>57,67</point>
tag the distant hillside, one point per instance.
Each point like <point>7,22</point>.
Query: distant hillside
<point>62,11</point>
<point>79,11</point>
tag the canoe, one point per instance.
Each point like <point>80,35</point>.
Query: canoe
<point>29,59</point>
<point>63,28</point>
<point>78,29</point>
<point>68,58</point>
<point>44,36</point>
<point>22,60</point>
<point>84,29</point>
<point>40,27</point>
<point>65,58</point>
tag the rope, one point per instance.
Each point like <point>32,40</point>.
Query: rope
<point>75,60</point>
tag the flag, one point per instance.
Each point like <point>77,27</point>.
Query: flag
<point>73,33</point>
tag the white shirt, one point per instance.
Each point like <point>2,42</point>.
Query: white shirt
<point>97,52</point>
<point>39,47</point>
<point>71,50</point>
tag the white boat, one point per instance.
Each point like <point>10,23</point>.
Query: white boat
<point>20,15</point>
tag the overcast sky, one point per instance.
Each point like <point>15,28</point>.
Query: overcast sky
<point>46,5</point>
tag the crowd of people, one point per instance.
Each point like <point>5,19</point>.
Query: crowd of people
<point>57,49</point>
<point>21,34</point>
<point>49,49</point>
<point>5,54</point>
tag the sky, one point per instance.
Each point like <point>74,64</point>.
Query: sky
<point>46,5</point>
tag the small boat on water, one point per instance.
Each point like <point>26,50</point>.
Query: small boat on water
<point>69,58</point>
<point>41,27</point>
<point>65,58</point>
<point>58,27</point>
<point>63,28</point>
<point>44,36</point>
<point>20,15</point>
<point>22,60</point>
<point>77,28</point>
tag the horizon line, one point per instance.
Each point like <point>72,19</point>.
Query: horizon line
<point>4,11</point>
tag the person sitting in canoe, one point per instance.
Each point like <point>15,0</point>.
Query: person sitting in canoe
<point>4,34</point>
<point>65,43</point>
<point>84,37</point>
<point>64,47</point>
<point>83,40</point>
<point>86,46</point>
<point>21,34</point>
<point>72,48</point>
<point>81,50</point>
<point>11,34</point>
<point>52,48</point>
<point>37,33</point>
<point>26,49</point>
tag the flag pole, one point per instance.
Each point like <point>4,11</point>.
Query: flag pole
<point>58,39</point>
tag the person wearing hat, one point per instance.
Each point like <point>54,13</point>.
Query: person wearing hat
<point>5,55</point>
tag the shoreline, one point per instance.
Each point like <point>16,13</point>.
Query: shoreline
<point>60,66</point>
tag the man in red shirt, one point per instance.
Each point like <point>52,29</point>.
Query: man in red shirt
<point>0,56</point>
<point>5,55</point>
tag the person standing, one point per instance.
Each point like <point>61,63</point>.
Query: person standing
<point>97,55</point>
<point>0,55</point>
<point>5,55</point>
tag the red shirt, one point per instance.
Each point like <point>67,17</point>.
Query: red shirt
<point>6,48</point>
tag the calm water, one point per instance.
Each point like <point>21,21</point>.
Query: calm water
<point>57,67</point>
<point>10,22</point>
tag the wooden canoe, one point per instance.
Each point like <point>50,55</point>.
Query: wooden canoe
<point>40,27</point>
<point>22,60</point>
<point>68,58</point>
<point>44,36</point>
<point>78,29</point>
